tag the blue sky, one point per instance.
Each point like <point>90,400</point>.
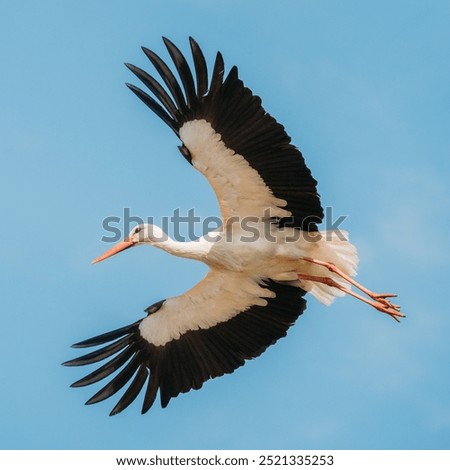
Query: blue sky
<point>362,88</point>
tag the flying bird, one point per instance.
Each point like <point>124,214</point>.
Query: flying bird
<point>265,257</point>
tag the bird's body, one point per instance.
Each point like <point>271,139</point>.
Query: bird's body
<point>266,256</point>
<point>262,250</point>
<point>240,260</point>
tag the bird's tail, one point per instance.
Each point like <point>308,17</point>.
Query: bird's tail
<point>334,248</point>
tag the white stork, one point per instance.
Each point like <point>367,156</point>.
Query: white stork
<point>262,261</point>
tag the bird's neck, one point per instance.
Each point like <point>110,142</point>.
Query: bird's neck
<point>197,249</point>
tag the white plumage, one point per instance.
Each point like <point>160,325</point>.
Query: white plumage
<point>239,188</point>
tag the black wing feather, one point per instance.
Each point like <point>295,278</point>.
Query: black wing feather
<point>107,369</point>
<point>106,337</point>
<point>118,382</point>
<point>201,69</point>
<point>151,391</point>
<point>100,354</point>
<point>132,391</point>
<point>154,106</point>
<point>183,71</point>
<point>217,76</point>
<point>168,77</point>
<point>153,85</point>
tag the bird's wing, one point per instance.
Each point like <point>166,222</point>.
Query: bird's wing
<point>209,331</point>
<point>227,135</point>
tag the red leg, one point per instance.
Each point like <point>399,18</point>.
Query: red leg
<point>380,306</point>
<point>382,298</point>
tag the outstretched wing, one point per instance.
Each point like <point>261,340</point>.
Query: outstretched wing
<point>227,135</point>
<point>207,332</point>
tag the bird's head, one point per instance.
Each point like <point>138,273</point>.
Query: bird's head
<point>141,234</point>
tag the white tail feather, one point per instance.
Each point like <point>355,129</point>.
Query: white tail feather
<point>336,249</point>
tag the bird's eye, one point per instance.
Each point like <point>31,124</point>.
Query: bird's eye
<point>137,230</point>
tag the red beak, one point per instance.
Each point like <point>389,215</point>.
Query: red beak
<point>114,250</point>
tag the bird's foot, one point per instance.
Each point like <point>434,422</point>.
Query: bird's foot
<point>384,306</point>
<point>383,299</point>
